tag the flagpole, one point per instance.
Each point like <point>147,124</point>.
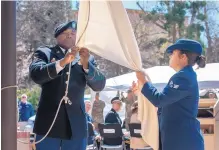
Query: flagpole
<point>8,76</point>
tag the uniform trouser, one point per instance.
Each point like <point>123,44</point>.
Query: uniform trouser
<point>59,144</point>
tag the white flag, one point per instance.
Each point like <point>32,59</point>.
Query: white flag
<point>104,28</point>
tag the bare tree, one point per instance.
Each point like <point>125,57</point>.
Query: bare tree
<point>212,31</point>
<point>36,21</point>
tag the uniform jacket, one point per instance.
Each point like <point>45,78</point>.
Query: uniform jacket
<point>90,139</point>
<point>97,111</point>
<point>25,111</point>
<point>111,118</point>
<point>71,120</point>
<point>180,130</point>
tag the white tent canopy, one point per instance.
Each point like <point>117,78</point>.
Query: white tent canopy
<point>208,77</point>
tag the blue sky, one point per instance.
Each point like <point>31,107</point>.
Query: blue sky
<point>130,4</point>
<point>127,4</point>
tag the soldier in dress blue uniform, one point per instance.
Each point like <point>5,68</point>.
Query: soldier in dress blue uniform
<point>113,117</point>
<point>50,70</point>
<point>180,130</point>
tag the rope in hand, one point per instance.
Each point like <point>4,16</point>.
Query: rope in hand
<point>65,97</point>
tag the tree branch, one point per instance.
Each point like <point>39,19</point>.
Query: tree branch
<point>157,24</point>
<point>161,20</point>
<point>149,34</point>
<point>147,62</point>
<point>135,28</point>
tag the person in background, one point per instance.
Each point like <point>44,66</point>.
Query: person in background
<point>25,109</point>
<point>97,111</point>
<point>136,143</point>
<point>208,94</point>
<point>129,100</point>
<point>96,137</point>
<point>113,118</point>
<point>212,95</point>
<point>89,120</point>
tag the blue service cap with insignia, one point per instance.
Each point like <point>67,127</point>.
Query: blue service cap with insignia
<point>62,27</point>
<point>186,45</point>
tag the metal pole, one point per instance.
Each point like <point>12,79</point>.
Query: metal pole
<point>8,73</point>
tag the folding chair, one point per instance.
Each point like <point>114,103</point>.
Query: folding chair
<point>91,134</point>
<point>111,131</point>
<point>135,131</point>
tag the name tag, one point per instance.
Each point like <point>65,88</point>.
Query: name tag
<point>137,131</point>
<point>109,130</point>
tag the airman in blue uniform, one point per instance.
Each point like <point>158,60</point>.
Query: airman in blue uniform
<point>179,128</point>
<point>50,70</point>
